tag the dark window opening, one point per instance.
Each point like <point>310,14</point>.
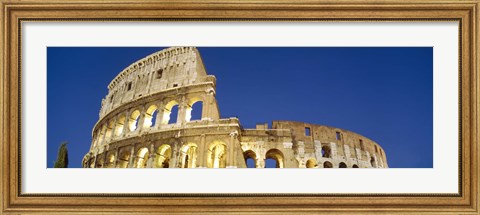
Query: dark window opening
<point>338,135</point>
<point>129,86</point>
<point>307,131</point>
<point>362,147</point>
<point>175,85</point>
<point>159,74</point>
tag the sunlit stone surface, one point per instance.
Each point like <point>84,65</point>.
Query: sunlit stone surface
<point>146,121</point>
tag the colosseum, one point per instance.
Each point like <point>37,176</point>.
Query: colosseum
<point>136,128</point>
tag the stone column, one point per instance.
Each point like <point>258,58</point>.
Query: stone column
<point>182,109</point>
<point>152,155</point>
<point>126,129</point>
<point>202,151</point>
<point>159,119</point>
<point>132,157</point>
<point>141,120</point>
<point>207,104</point>
<point>232,156</point>
<point>116,157</point>
<point>173,162</point>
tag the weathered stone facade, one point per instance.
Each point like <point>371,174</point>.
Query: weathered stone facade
<point>135,129</point>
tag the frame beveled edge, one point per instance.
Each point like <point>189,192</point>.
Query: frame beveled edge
<point>467,12</point>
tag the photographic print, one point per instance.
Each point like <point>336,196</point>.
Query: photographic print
<point>240,107</point>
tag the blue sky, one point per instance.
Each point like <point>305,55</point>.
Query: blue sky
<point>384,93</point>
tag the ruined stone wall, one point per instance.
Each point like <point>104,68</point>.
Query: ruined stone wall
<point>136,127</point>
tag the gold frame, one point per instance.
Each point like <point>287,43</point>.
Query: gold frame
<point>13,12</point>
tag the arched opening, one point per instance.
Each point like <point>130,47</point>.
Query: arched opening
<point>354,166</point>
<point>372,162</point>
<point>164,153</point>
<point>376,149</point>
<point>119,125</point>
<point>274,155</point>
<point>250,159</point>
<point>133,120</point>
<point>194,110</point>
<point>342,165</point>
<point>170,113</point>
<point>91,163</point>
<point>142,157</point>
<point>110,161</point>
<point>100,161</point>
<point>102,135</point>
<point>109,131</point>
<point>326,151</point>
<point>217,155</point>
<point>311,163</point>
<point>123,159</point>
<point>188,156</point>
<point>327,165</point>
<point>150,116</point>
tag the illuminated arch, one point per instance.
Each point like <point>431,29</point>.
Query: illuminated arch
<point>311,163</point>
<point>188,156</point>
<point>164,153</point>
<point>123,159</point>
<point>133,120</point>
<point>217,155</point>
<point>276,155</point>
<point>141,158</point>
<point>150,116</point>
<point>119,125</point>
<point>168,111</point>
<point>188,114</point>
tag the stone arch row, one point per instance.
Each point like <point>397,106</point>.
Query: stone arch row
<point>371,159</point>
<point>163,156</point>
<point>272,154</point>
<point>312,163</point>
<point>148,117</point>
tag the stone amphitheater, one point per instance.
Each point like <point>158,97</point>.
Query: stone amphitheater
<point>136,127</point>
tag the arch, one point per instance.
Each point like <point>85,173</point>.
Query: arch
<point>326,151</point>
<point>327,164</point>
<point>164,153</point>
<point>354,166</point>
<point>109,130</point>
<point>194,109</point>
<point>141,158</point>
<point>217,155</point>
<point>168,111</point>
<point>188,155</point>
<point>342,165</point>
<point>276,155</point>
<point>102,135</point>
<point>100,161</point>
<point>372,162</point>
<point>311,163</point>
<point>123,159</point>
<point>91,162</point>
<point>119,125</point>
<point>250,159</point>
<point>150,116</point>
<point>133,120</point>
<point>110,161</point>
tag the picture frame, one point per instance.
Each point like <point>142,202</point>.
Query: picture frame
<point>14,13</point>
